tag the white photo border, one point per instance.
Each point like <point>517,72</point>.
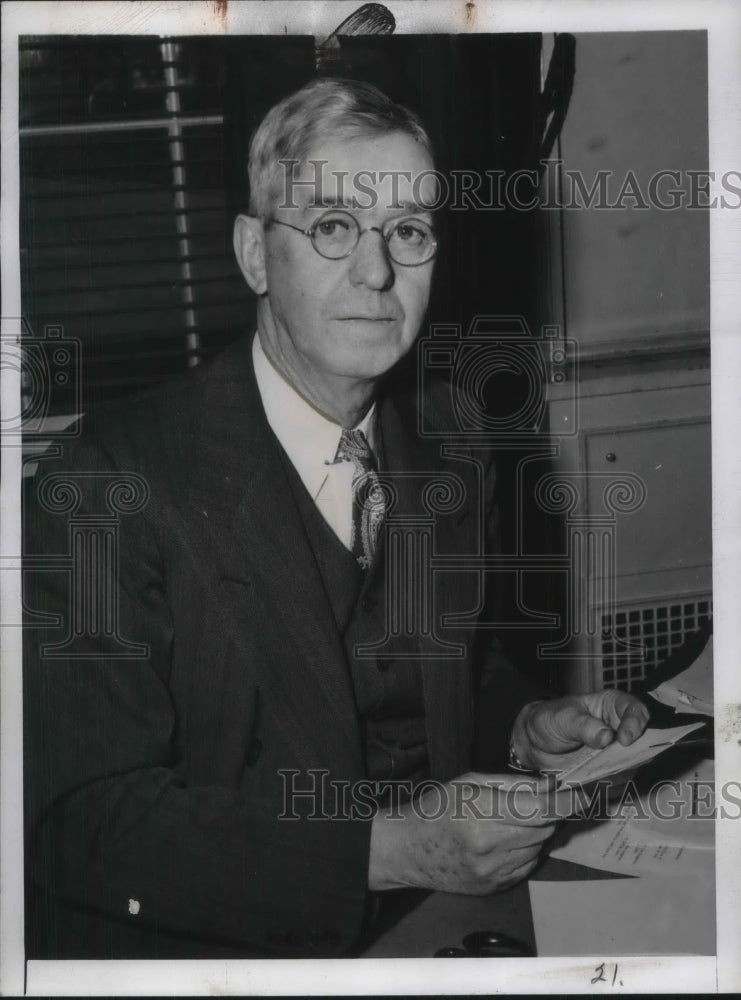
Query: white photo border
<point>722,20</point>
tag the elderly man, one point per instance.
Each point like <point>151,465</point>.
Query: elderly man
<point>186,765</point>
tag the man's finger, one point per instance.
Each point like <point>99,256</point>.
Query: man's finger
<point>577,725</point>
<point>514,800</point>
<point>516,857</point>
<point>528,837</point>
<point>534,783</point>
<point>518,874</point>
<point>612,706</point>
<point>633,721</point>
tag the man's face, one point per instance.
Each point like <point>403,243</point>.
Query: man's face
<point>354,317</point>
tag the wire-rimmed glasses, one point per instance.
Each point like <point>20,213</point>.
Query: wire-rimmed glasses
<point>410,241</point>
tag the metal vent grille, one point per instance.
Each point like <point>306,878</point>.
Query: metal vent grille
<point>636,639</point>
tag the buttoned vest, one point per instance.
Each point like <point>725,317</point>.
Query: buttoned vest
<point>388,692</point>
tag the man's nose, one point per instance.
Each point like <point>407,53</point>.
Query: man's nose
<point>370,262</point>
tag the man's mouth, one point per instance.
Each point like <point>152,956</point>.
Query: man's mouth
<point>367,319</point>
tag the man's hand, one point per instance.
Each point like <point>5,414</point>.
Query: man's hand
<point>564,724</point>
<point>484,833</point>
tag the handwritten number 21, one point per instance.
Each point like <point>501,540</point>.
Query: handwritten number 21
<point>601,978</point>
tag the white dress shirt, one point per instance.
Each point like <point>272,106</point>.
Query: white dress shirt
<point>310,440</point>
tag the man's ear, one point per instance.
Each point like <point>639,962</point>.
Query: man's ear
<point>249,248</point>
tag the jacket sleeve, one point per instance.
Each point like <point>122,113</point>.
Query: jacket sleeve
<point>113,828</point>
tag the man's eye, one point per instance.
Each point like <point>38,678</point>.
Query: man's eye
<point>332,227</point>
<point>410,233</point>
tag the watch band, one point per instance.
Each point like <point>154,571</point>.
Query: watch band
<point>514,762</point>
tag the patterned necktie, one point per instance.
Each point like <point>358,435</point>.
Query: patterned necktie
<point>368,502</point>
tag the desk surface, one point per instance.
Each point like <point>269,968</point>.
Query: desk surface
<point>443,919</point>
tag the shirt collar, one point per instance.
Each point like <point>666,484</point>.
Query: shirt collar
<point>308,437</point>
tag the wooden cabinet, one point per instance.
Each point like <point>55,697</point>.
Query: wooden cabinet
<point>639,529</point>
<point>631,414</point>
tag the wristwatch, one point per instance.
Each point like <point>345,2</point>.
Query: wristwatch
<point>513,761</point>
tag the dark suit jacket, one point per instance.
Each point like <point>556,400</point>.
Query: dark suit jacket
<point>153,784</point>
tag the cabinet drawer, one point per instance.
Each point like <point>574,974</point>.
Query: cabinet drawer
<point>672,529</point>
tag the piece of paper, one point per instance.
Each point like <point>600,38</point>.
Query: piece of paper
<point>635,916</point>
<point>587,764</point>
<point>632,847</point>
<point>57,423</point>
<point>692,690</point>
<point>669,829</point>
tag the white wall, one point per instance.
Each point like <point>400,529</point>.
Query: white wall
<point>639,103</point>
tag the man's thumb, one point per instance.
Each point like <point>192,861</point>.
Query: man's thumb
<point>581,727</point>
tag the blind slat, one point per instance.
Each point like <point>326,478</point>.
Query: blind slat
<point>125,230</point>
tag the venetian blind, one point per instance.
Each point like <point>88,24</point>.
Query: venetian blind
<point>125,227</point>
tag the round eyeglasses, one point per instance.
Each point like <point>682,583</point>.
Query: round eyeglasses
<point>410,241</point>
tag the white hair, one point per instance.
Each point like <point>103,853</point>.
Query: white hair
<point>325,108</point>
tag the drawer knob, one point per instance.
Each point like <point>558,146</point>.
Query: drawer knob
<point>611,456</point>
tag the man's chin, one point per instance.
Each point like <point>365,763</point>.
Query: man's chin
<point>373,367</point>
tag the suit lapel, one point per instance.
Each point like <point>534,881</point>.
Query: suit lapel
<point>252,535</point>
<point>257,538</point>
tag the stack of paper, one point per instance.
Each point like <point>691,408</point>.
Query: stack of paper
<point>692,690</point>
<point>586,765</point>
<point>666,836</point>
<point>669,830</point>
